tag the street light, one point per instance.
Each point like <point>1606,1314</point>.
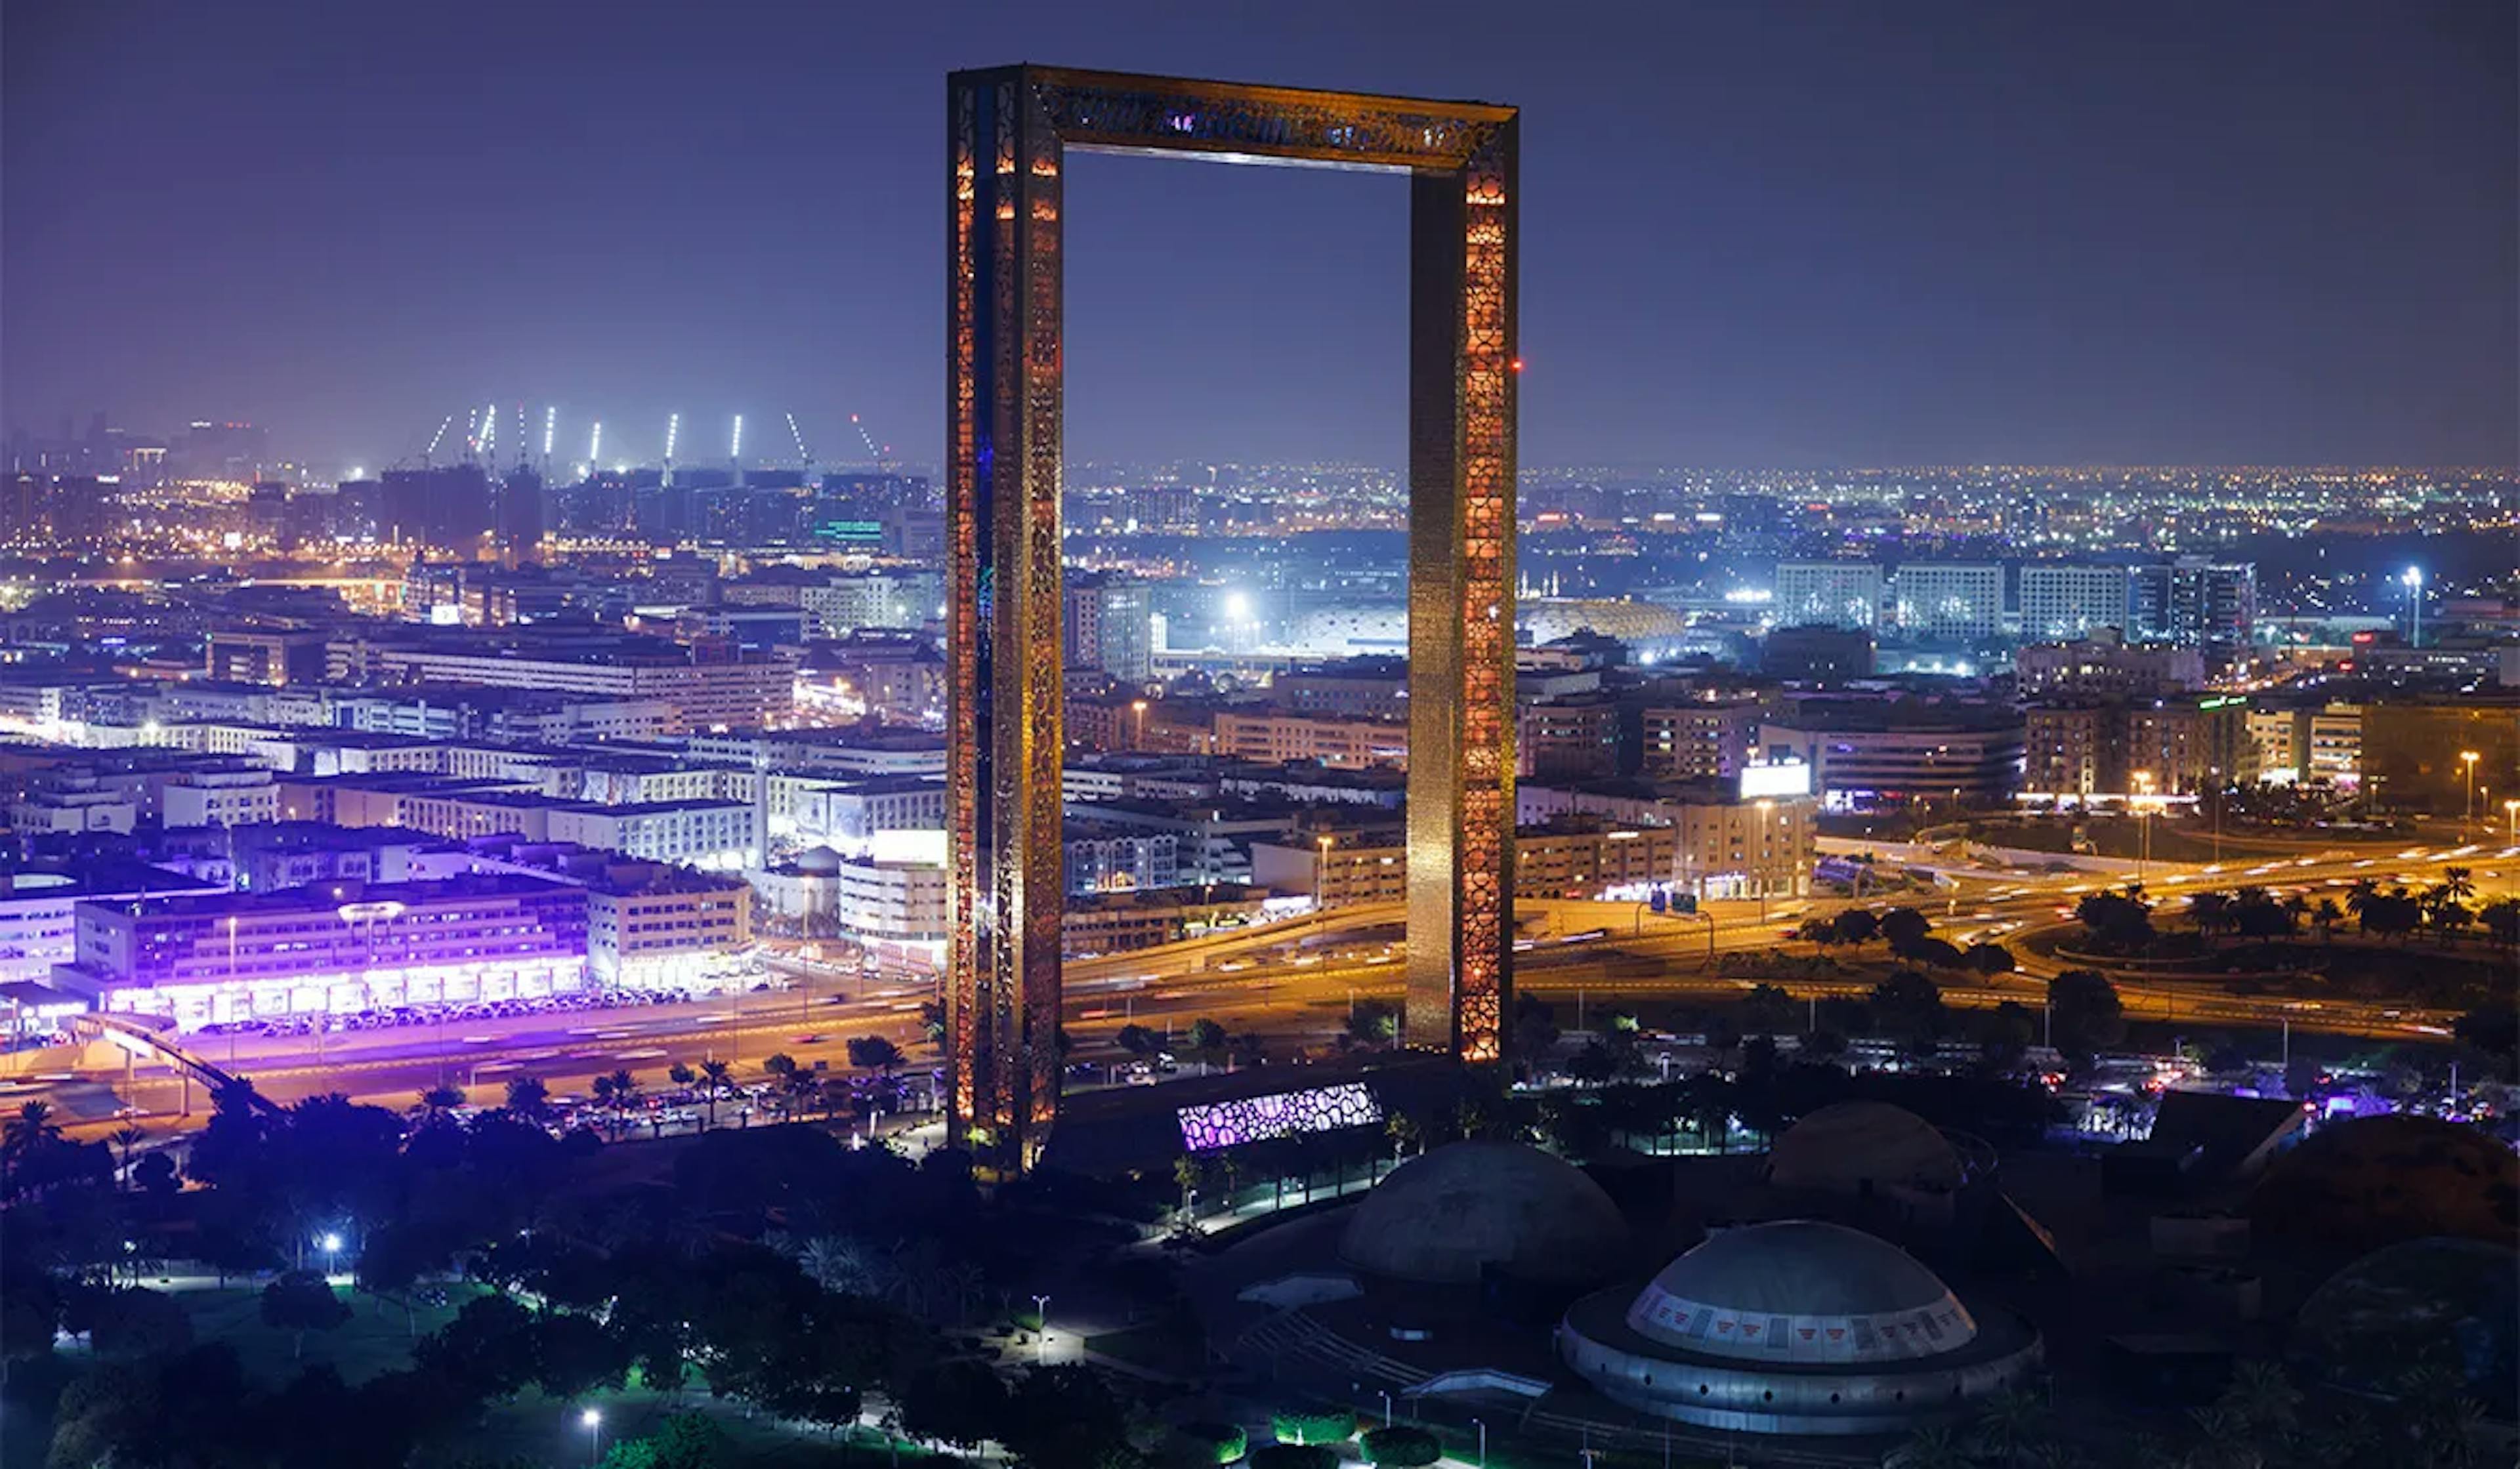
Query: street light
<point>2414,583</point>
<point>1321,872</point>
<point>1140,708</point>
<point>1767,844</point>
<point>593,1419</point>
<point>2467,821</point>
<point>1482,1425</point>
<point>2512,822</point>
<point>2143,822</point>
<point>331,1244</point>
<point>1041,1345</point>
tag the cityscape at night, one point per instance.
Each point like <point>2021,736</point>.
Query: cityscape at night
<point>1713,735</point>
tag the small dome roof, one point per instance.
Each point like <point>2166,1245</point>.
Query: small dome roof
<point>1447,1217</point>
<point>1847,1145</point>
<point>819,862</point>
<point>1800,1291</point>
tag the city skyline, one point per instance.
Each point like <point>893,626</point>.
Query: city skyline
<point>1865,249</point>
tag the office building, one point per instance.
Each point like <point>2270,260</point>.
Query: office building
<point>2069,603</point>
<point>2195,602</point>
<point>2106,666</point>
<point>1828,594</point>
<point>340,949</point>
<point>1949,601</point>
<point>1109,625</point>
<point>1695,739</point>
<point>1867,756</point>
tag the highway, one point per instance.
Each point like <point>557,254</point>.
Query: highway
<point>1292,983</point>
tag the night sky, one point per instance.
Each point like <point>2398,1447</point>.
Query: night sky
<point>1754,234</point>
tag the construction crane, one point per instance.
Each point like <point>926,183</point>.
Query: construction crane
<point>880,456</point>
<point>673,430</point>
<point>595,449</point>
<point>805,456</point>
<point>445,424</point>
<point>550,426</point>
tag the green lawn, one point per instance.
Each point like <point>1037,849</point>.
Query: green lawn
<point>377,1338</point>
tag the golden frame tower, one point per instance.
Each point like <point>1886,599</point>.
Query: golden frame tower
<point>1008,132</point>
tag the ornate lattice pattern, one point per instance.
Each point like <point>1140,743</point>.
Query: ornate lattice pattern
<point>1008,131</point>
<point>1282,1114</point>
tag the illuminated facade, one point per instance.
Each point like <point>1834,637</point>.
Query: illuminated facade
<point>1008,130</point>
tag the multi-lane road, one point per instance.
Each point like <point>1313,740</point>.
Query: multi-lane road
<point>1293,983</point>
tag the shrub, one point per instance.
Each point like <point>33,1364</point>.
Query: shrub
<point>1329,1425</point>
<point>1294,1457</point>
<point>1402,1448</point>
<point>1224,1441</point>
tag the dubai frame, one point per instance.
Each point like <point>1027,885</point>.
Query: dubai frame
<point>1009,131</point>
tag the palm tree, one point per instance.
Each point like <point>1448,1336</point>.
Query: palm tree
<point>2007,1425</point>
<point>128,1138</point>
<point>2360,896</point>
<point>31,1128</point>
<point>2459,883</point>
<point>1404,1132</point>
<point>434,1102</point>
<point>1930,1449</point>
<point>529,1097</point>
<point>625,1095</point>
<point>2326,916</point>
<point>719,1076</point>
<point>2263,1396</point>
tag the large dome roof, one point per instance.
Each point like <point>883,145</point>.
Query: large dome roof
<point>2442,1303</point>
<point>1853,1147</point>
<point>1800,1291</point>
<point>2379,1181</point>
<point>1443,1219</point>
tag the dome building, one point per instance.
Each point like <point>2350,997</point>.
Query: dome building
<point>1874,1151</point>
<point>1795,1327</point>
<point>1468,1210</point>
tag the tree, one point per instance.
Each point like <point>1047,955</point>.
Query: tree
<point>680,1074</point>
<point>1140,1041</point>
<point>1769,1009</point>
<point>2211,912</point>
<point>684,1441</point>
<point>29,1134</point>
<point>1404,1132</point>
<point>300,1302</point>
<point>1856,925</point>
<point>2501,919</point>
<point>529,1097</point>
<point>958,1402</point>
<point>573,1355</point>
<point>1903,926</point>
<point>2085,1014</point>
<point>1910,1006</point>
<point>1206,1041</point>
<point>873,1054</point>
<point>131,1322</point>
<point>719,1077</point>
<point>931,1021</point>
<point>1373,1022</point>
<point>1535,1027</point>
<point>1990,960</point>
<point>129,1138</point>
<point>435,1103</point>
<point>2116,923</point>
<point>1822,1044</point>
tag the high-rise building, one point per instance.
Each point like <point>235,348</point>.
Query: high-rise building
<point>448,505</point>
<point>1828,594</point>
<point>2067,602</point>
<point>2195,602</point>
<point>1109,624</point>
<point>520,512</point>
<point>1949,601</point>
